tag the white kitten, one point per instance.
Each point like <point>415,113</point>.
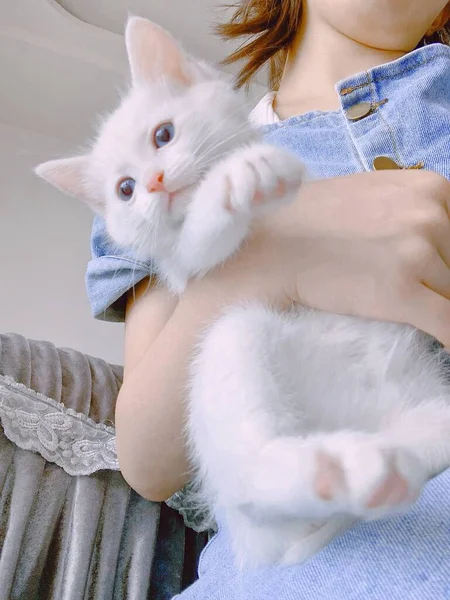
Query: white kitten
<point>299,423</point>
<point>150,172</point>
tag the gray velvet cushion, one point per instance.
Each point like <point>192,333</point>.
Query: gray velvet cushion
<point>70,526</point>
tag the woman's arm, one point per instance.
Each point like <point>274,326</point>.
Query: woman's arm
<point>159,336</point>
<point>376,245</point>
<point>148,309</point>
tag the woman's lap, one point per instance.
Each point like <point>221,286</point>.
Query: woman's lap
<point>406,557</point>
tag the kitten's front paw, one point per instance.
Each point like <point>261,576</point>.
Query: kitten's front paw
<point>260,176</point>
<point>357,475</point>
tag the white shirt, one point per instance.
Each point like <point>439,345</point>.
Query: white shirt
<point>263,113</point>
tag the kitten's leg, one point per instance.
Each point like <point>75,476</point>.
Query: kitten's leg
<point>412,443</point>
<point>425,431</point>
<point>232,415</point>
<point>234,191</point>
<point>383,473</point>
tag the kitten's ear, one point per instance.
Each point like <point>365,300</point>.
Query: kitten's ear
<point>153,53</point>
<point>70,175</point>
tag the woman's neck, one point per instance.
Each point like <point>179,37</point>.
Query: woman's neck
<point>320,57</point>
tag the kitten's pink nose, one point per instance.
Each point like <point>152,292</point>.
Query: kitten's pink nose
<point>156,183</point>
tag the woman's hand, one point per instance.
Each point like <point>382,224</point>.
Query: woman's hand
<point>384,249</point>
<point>375,245</point>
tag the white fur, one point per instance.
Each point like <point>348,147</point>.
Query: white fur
<point>299,423</point>
<point>279,402</point>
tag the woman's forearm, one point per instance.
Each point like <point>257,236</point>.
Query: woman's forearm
<point>150,408</point>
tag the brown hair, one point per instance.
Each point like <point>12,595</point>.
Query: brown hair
<point>268,28</point>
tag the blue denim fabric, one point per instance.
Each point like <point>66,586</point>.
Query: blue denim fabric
<point>110,274</point>
<point>403,558</point>
<point>410,120</point>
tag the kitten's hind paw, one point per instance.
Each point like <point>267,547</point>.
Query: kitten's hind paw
<point>356,474</point>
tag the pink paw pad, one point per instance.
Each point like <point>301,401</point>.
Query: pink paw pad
<point>329,477</point>
<point>281,189</point>
<point>394,490</point>
<point>259,197</point>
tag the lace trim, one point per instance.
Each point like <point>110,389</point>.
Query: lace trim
<point>185,502</point>
<point>73,441</point>
<point>59,434</point>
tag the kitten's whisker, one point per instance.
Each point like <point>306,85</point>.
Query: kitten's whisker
<point>200,152</point>
<point>218,126</point>
<point>222,141</point>
<point>214,148</point>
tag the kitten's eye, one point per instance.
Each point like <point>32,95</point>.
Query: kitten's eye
<point>163,134</point>
<point>125,188</point>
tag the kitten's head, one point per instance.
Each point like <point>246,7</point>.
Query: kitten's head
<point>177,119</point>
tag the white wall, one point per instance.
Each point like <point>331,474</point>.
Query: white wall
<point>44,248</point>
<point>58,74</point>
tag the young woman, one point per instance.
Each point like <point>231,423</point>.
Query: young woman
<point>363,97</point>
